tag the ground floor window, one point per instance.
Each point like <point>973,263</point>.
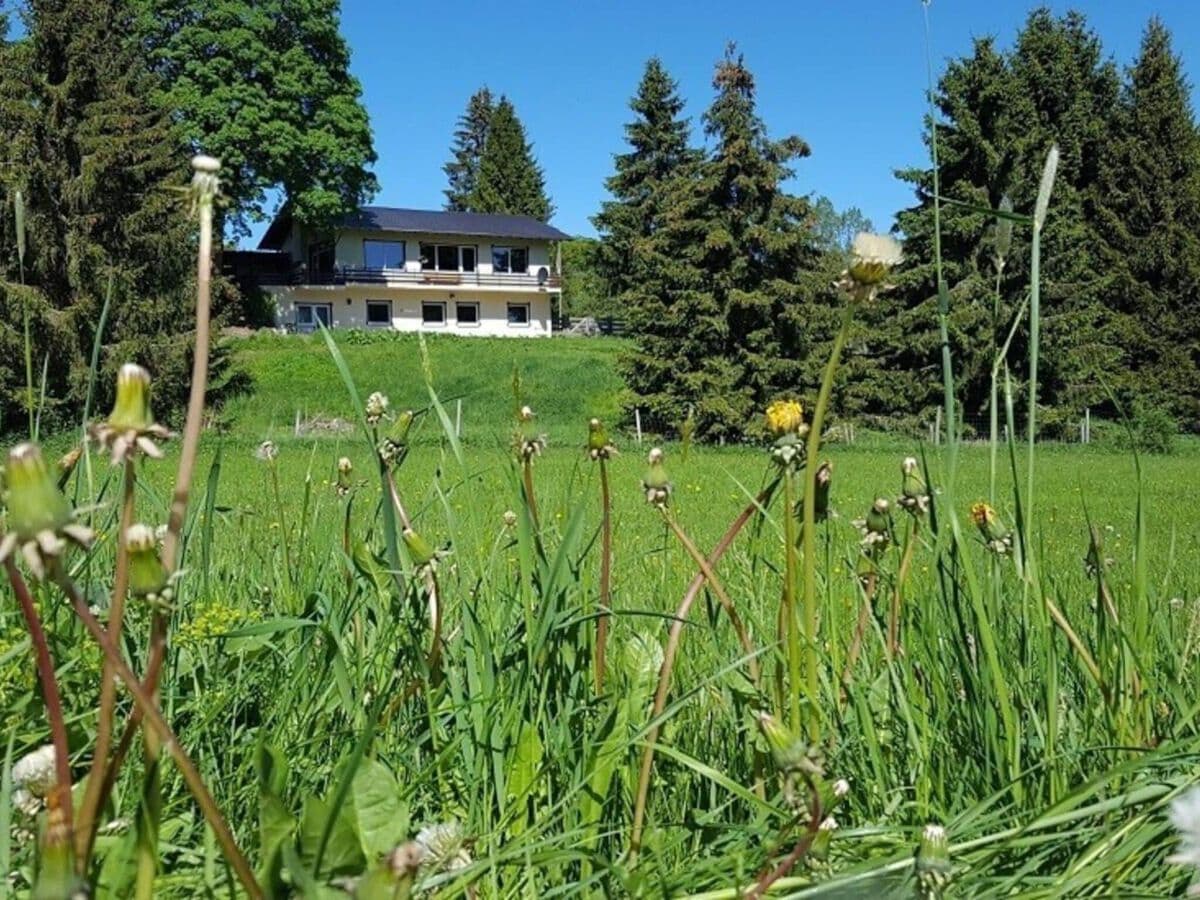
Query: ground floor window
<point>467,313</point>
<point>518,314</point>
<point>379,313</point>
<point>433,313</point>
<point>309,314</point>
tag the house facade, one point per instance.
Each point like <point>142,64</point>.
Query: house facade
<point>414,270</point>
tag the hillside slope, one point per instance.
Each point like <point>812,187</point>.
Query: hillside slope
<point>566,381</point>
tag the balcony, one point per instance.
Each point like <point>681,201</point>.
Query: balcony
<point>540,277</point>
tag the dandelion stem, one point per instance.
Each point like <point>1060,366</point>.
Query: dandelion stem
<point>530,499</point>
<point>146,702</point>
<point>910,543</point>
<point>45,670</point>
<point>674,637</point>
<point>810,521</point>
<point>789,627</point>
<point>94,794</point>
<point>605,599</point>
<point>860,629</point>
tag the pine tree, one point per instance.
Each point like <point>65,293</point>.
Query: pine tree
<point>1000,113</point>
<point>1150,218</point>
<point>509,179</point>
<point>469,140</point>
<point>658,151</point>
<point>720,322</point>
<point>101,170</point>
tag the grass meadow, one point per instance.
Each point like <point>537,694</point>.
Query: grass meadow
<point>300,678</point>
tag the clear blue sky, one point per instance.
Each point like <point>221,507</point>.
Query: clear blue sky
<point>847,77</point>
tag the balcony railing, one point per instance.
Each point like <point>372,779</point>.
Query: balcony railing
<point>538,277</point>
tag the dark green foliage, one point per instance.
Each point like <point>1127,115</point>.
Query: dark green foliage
<point>583,286</point>
<point>658,151</point>
<point>835,230</point>
<point>266,87</point>
<point>1119,250</point>
<point>102,170</point>
<point>469,139</point>
<point>509,179</point>
<point>721,282</point>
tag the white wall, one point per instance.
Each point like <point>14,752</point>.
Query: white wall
<point>348,306</point>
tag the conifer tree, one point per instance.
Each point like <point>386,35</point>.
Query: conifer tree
<point>721,326</point>
<point>101,169</point>
<point>1149,216</point>
<point>470,137</point>
<point>658,151</point>
<point>509,179</point>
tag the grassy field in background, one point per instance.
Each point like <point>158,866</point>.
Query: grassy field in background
<point>564,379</point>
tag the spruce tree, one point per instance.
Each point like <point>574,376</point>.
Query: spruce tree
<point>1150,220</point>
<point>999,114</point>
<point>469,139</point>
<point>721,322</point>
<point>658,150</point>
<point>509,179</point>
<point>101,169</point>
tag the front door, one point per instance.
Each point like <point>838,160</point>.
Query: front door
<point>309,314</point>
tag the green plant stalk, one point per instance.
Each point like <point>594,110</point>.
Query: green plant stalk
<point>910,543</point>
<point>89,808</point>
<point>994,433</point>
<point>49,682</point>
<point>283,525</point>
<point>810,525</point>
<point>674,637</point>
<point>789,626</point>
<point>29,404</point>
<point>530,499</point>
<point>148,704</point>
<point>605,599</point>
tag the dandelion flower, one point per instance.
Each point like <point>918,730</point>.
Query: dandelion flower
<point>527,440</point>
<point>40,520</point>
<point>376,408</point>
<point>995,533</point>
<point>444,847</point>
<point>784,417</point>
<point>599,446</point>
<point>147,575</point>
<point>130,427</point>
<point>345,469</point>
<point>873,256</point>
<point>1185,816</point>
<point>33,777</point>
<point>267,451</point>
<point>914,496</point>
<point>655,482</point>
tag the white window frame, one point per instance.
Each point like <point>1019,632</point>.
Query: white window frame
<point>459,304</point>
<point>367,316</point>
<point>439,303</point>
<point>458,256</point>
<point>508,250</point>
<point>311,326</point>
<point>528,307</point>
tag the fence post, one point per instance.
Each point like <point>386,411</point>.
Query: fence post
<point>637,422</point>
<point>937,427</point>
<point>458,418</point>
<point>1087,424</point>
<point>296,427</point>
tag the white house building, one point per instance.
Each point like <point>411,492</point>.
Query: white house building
<point>412,270</point>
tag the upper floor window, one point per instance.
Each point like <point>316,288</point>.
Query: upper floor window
<point>448,257</point>
<point>510,259</point>
<point>383,254</point>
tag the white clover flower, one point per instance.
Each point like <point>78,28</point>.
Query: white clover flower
<point>267,451</point>
<point>828,824</point>
<point>841,788</point>
<point>1185,816</point>
<point>443,846</point>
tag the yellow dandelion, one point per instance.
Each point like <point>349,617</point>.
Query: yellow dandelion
<point>784,417</point>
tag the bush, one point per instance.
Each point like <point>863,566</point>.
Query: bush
<point>1152,428</point>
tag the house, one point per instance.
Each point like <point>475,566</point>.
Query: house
<point>412,270</point>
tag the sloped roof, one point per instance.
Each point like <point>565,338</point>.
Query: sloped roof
<point>431,221</point>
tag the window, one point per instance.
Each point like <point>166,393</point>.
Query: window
<point>447,258</point>
<point>379,313</point>
<point>383,254</point>
<point>510,259</point>
<point>321,259</point>
<point>518,314</point>
<point>467,313</point>
<point>433,313</point>
<point>309,314</point>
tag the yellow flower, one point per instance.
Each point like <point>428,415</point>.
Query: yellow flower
<point>982,514</point>
<point>784,417</point>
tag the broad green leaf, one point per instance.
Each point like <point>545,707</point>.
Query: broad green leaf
<point>381,814</point>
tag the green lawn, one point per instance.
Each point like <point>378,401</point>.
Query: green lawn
<point>1049,781</point>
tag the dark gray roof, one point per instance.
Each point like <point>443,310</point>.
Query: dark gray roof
<point>428,221</point>
<point>435,221</point>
